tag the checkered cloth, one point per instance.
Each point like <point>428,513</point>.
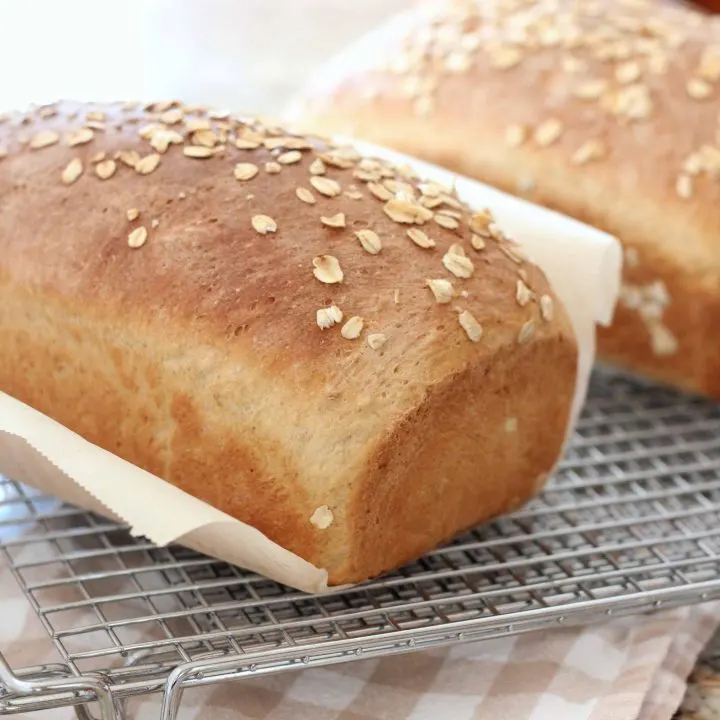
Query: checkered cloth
<point>622,670</point>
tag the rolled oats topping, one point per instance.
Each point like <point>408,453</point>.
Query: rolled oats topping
<point>527,332</point>
<point>326,269</point>
<point>105,169</point>
<point>326,186</point>
<point>128,157</point>
<point>473,329</point>
<point>477,242</point>
<point>72,171</point>
<point>480,223</point>
<point>172,117</point>
<point>698,89</point>
<point>245,171</point>
<point>147,164</point>
<point>446,221</point>
<point>363,207</point>
<point>405,211</point>
<point>138,237</point>
<point>547,310</point>
<point>352,329</point>
<point>662,340</point>
<point>44,139</point>
<point>376,340</point>
<point>523,294</point>
<point>590,89</point>
<point>613,69</point>
<point>290,157</point>
<point>163,139</point>
<point>245,143</point>
<point>80,137</point>
<point>684,186</point>
<point>329,316</point>
<point>322,518</point>
<point>379,191</point>
<point>334,221</point>
<point>317,167</point>
<point>590,150</point>
<point>420,238</point>
<point>442,290</point>
<point>369,240</point>
<point>263,224</point>
<point>628,72</point>
<point>548,132</point>
<point>305,195</point>
<point>199,152</point>
<point>456,262</point>
<point>710,64</point>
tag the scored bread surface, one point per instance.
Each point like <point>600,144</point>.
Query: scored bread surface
<point>318,344</point>
<point>608,111</point>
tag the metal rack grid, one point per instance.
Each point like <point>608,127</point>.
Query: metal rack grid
<point>629,523</point>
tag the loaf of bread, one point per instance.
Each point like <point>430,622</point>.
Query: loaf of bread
<point>318,344</point>
<point>605,110</point>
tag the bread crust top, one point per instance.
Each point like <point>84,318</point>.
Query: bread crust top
<point>252,245</point>
<point>609,111</point>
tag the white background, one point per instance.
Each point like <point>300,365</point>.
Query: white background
<point>248,55</point>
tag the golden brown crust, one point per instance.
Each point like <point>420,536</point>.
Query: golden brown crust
<point>609,112</point>
<point>712,6</point>
<point>505,429</point>
<point>169,313</point>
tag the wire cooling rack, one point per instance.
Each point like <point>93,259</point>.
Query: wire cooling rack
<point>630,523</point>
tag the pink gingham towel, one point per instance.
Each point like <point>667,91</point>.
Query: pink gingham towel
<point>624,669</point>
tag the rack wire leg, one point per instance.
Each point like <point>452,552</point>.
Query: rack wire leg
<point>82,712</point>
<point>171,701</point>
<point>102,693</point>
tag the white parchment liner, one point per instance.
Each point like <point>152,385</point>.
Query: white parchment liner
<point>582,264</point>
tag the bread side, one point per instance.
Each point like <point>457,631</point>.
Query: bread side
<point>609,113</point>
<point>197,355</point>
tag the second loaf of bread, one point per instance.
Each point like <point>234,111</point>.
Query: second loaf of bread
<point>606,111</point>
<point>318,344</point>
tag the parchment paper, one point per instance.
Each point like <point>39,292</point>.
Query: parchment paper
<point>582,264</point>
